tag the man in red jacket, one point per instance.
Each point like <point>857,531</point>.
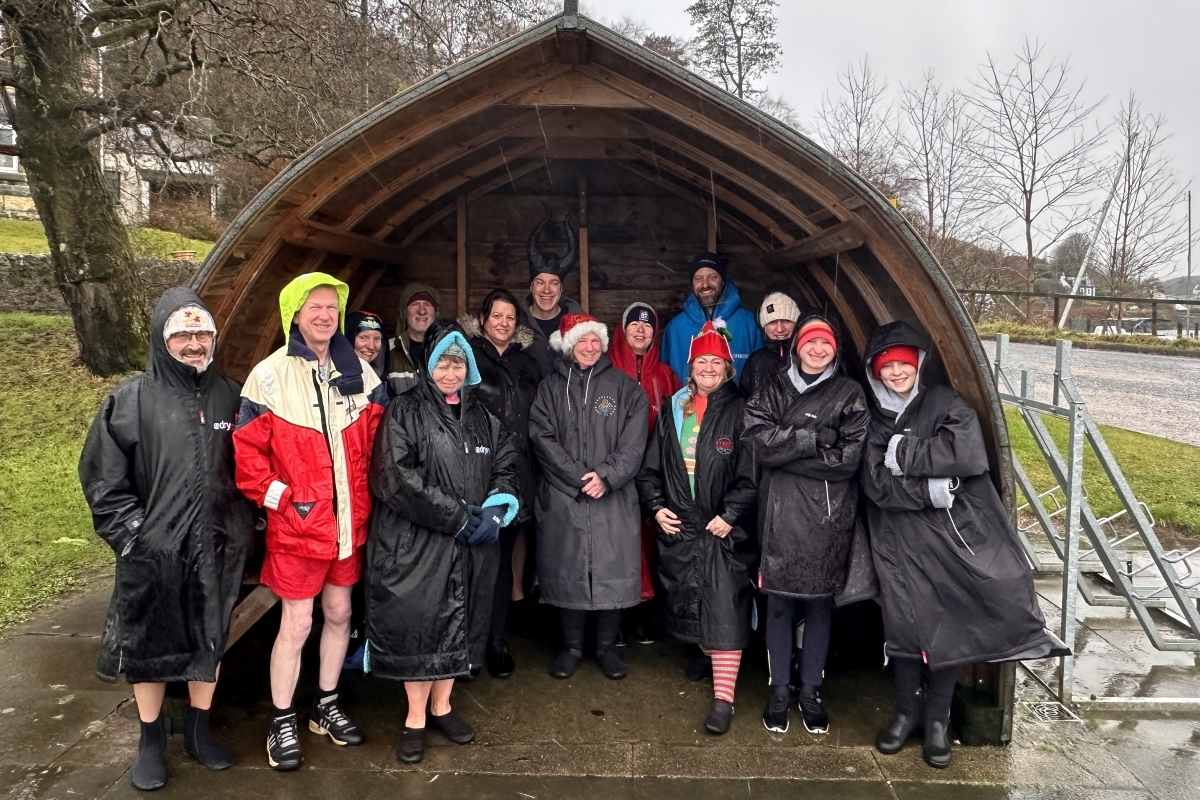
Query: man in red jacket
<point>303,451</point>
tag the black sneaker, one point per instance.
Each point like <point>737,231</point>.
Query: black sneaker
<point>813,710</point>
<point>283,743</point>
<point>775,715</point>
<point>327,717</point>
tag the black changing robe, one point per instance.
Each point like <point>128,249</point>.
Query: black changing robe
<point>157,472</point>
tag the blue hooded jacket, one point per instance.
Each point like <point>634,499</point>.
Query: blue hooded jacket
<point>677,336</point>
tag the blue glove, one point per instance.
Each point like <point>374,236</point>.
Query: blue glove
<point>483,524</point>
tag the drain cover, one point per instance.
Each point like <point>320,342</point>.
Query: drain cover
<point>1051,712</point>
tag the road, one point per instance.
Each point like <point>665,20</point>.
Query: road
<point>1159,395</point>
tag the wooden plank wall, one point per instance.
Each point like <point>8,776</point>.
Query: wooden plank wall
<point>641,239</point>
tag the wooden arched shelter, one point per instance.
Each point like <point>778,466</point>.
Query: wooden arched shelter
<point>444,182</point>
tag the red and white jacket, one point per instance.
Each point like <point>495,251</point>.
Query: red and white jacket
<point>303,449</point>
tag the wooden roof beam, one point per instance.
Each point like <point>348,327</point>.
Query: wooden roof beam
<point>837,239</point>
<point>691,197</point>
<point>706,187</point>
<point>749,184</point>
<point>318,236</point>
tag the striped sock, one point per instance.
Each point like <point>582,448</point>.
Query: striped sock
<point>725,669</point>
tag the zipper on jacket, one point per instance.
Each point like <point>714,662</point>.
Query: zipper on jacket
<point>828,505</point>
<point>328,447</point>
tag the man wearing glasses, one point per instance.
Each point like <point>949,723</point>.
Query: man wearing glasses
<point>158,473</point>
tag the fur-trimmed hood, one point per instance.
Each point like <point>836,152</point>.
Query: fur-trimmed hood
<point>523,335</point>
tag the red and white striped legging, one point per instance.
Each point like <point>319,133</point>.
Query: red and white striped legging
<point>725,665</point>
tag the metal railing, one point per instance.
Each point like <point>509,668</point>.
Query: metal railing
<point>1123,551</point>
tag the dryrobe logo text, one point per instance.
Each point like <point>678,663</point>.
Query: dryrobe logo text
<point>222,426</point>
<point>480,450</point>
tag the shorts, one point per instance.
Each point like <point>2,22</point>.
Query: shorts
<point>299,578</point>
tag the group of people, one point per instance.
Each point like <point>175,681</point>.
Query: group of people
<point>720,469</point>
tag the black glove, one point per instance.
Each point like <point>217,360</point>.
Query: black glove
<point>483,524</point>
<point>827,437</point>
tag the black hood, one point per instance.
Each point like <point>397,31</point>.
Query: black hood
<point>895,334</point>
<point>164,366</point>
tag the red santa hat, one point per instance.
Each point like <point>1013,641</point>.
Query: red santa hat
<point>712,340</point>
<point>573,327</point>
<point>906,354</point>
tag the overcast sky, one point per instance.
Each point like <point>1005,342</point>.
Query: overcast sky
<point>1152,48</point>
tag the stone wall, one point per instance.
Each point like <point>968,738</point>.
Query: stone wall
<point>27,282</point>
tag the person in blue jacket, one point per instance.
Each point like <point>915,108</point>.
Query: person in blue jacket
<point>713,297</point>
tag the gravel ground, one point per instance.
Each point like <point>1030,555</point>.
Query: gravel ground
<point>1159,395</point>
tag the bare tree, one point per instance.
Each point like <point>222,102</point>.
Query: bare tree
<point>946,183</point>
<point>735,43</point>
<point>1037,148</point>
<point>186,81</point>
<point>1144,231</point>
<point>672,48</point>
<point>445,31</point>
<point>860,127</point>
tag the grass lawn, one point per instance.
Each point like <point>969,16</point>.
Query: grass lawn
<point>47,544</point>
<point>28,236</point>
<point>1165,475</point>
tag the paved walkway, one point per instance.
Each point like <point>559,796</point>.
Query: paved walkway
<point>1159,395</point>
<point>65,734</point>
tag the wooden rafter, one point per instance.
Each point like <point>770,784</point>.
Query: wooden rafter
<point>318,236</point>
<point>695,199</point>
<point>838,239</point>
<point>706,187</point>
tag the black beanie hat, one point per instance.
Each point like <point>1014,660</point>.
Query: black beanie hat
<point>640,312</point>
<point>711,261</point>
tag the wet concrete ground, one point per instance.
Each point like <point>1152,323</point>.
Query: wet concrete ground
<point>1154,394</point>
<point>65,734</point>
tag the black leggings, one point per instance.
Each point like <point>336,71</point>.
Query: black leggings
<point>498,628</point>
<point>608,622</point>
<point>782,615</point>
<point>938,695</point>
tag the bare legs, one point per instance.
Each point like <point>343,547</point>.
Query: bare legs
<point>434,694</point>
<point>294,628</point>
<point>149,697</point>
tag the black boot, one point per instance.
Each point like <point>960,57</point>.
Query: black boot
<point>936,750</point>
<point>564,665</point>
<point>719,716</point>
<point>499,663</point>
<point>608,639</point>
<point>150,767</point>
<point>906,718</point>
<point>200,744</point>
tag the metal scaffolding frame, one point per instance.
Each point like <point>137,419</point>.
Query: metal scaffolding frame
<point>1142,574</point>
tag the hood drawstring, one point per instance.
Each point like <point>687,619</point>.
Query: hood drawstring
<point>569,371</point>
<point>587,387</point>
